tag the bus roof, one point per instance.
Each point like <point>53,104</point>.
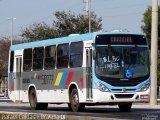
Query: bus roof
<point>81,37</point>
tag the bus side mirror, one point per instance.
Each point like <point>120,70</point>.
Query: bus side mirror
<point>94,54</point>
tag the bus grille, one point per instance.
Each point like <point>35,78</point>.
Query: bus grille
<point>125,83</point>
<point>121,90</point>
<point>124,95</point>
<point>130,82</point>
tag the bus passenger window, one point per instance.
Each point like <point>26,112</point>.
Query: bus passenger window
<point>62,55</point>
<point>11,61</point>
<point>76,54</point>
<point>50,57</point>
<point>27,58</point>
<point>38,55</point>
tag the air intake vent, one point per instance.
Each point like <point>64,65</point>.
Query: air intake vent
<point>124,95</point>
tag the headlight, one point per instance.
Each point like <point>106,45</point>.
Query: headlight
<point>145,86</point>
<point>101,87</point>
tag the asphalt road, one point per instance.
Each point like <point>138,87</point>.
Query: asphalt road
<point>90,113</point>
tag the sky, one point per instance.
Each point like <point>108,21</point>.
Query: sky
<point>116,14</point>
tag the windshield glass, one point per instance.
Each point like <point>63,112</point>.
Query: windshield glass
<point>122,62</point>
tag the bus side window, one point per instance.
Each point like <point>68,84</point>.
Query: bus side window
<point>76,54</point>
<point>27,58</point>
<point>50,57</point>
<point>62,55</point>
<point>38,55</point>
<point>11,61</point>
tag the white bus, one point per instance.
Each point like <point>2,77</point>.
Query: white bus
<point>90,69</point>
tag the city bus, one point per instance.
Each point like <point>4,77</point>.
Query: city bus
<point>99,68</point>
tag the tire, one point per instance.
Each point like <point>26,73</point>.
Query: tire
<point>125,107</point>
<point>74,101</point>
<point>33,101</point>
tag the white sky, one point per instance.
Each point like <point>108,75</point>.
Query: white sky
<point>116,14</point>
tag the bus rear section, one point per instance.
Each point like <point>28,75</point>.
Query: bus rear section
<point>15,75</point>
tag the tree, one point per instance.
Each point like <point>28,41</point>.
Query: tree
<point>39,31</point>
<point>4,48</point>
<point>146,27</point>
<point>68,23</point>
<point>65,24</point>
<point>4,53</point>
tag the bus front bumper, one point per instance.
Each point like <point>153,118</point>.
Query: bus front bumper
<point>105,97</point>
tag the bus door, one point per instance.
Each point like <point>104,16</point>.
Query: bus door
<point>18,81</point>
<point>89,72</point>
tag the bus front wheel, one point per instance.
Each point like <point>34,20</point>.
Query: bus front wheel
<point>125,107</point>
<point>33,101</point>
<point>74,101</point>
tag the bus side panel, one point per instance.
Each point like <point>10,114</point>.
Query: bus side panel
<point>52,85</point>
<point>11,92</point>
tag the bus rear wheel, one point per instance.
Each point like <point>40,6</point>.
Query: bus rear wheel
<point>74,101</point>
<point>33,101</point>
<point>125,107</point>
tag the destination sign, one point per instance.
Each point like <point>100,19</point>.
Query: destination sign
<point>120,39</point>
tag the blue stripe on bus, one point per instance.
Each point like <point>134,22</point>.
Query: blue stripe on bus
<point>64,77</point>
<point>54,41</point>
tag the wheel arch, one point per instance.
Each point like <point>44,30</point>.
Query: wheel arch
<point>30,87</point>
<point>72,86</point>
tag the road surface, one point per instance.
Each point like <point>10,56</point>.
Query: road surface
<point>10,110</point>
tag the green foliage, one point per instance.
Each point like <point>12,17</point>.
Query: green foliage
<point>146,27</point>
<point>38,31</point>
<point>68,23</point>
<point>65,24</point>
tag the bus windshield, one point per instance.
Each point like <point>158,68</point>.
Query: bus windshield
<point>122,61</point>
